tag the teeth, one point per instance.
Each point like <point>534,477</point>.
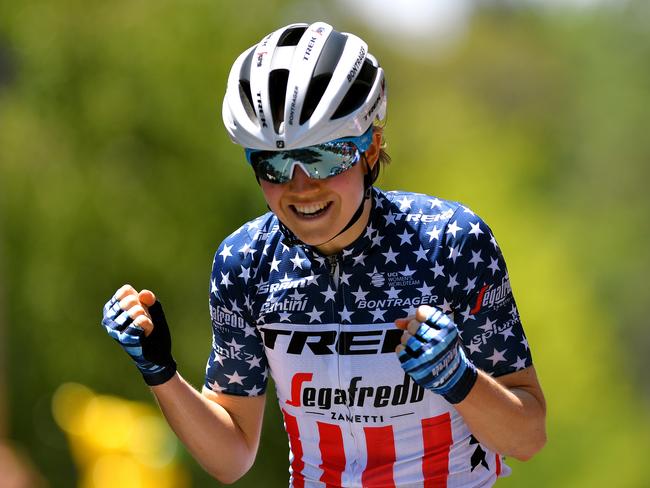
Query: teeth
<point>310,209</point>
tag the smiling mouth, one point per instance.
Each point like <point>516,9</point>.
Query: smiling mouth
<point>310,211</point>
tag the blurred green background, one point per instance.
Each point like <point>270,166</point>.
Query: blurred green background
<point>115,167</point>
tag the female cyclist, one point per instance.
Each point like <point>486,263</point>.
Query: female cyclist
<point>386,319</point>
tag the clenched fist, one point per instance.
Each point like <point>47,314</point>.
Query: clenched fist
<point>137,322</point>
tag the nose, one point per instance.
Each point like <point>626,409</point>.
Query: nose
<point>301,181</point>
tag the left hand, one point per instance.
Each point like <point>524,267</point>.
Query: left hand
<point>431,353</point>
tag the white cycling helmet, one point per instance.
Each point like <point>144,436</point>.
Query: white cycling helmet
<point>303,85</point>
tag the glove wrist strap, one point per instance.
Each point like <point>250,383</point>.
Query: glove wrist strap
<point>464,385</point>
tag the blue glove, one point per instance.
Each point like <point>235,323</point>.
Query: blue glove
<point>152,354</point>
<point>435,359</point>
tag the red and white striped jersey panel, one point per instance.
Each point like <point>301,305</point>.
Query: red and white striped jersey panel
<point>429,461</point>
<point>359,421</point>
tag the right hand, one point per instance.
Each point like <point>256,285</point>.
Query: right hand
<point>137,322</point>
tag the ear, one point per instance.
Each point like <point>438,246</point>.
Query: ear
<point>372,153</point>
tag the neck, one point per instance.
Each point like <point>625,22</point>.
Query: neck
<point>343,240</point>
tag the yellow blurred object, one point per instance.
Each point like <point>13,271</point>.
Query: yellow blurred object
<point>117,442</point>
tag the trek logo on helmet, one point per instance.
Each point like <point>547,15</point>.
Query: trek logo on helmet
<point>310,48</point>
<point>260,109</point>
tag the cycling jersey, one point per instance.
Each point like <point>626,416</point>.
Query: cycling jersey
<point>323,327</point>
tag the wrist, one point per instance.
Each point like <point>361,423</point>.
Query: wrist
<point>459,391</point>
<point>160,374</point>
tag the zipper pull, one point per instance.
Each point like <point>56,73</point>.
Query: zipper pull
<point>333,262</point>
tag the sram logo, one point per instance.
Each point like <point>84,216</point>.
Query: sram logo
<point>286,284</point>
<point>322,342</point>
<point>303,395</point>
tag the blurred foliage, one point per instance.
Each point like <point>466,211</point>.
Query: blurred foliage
<point>117,442</point>
<point>114,167</point>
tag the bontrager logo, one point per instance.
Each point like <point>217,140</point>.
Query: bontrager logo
<point>398,302</point>
<point>357,64</point>
<point>321,342</point>
<point>354,395</point>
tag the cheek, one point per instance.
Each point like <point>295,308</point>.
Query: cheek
<point>271,193</point>
<point>348,184</point>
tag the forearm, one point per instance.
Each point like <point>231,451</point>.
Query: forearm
<point>508,419</point>
<point>209,431</point>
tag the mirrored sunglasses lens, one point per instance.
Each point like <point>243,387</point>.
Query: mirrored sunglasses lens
<point>320,162</point>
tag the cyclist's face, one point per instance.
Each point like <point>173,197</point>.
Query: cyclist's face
<point>316,210</point>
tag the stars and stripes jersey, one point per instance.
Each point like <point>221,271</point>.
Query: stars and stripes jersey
<point>323,327</point>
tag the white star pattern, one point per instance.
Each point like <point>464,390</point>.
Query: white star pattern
<point>346,315</point>
<point>425,290</point>
<point>407,271</point>
<point>497,356</point>
<point>245,274</point>
<point>225,253</point>
<point>359,295</point>
<point>433,234</point>
<point>255,391</point>
<point>329,294</point>
<point>476,229</point>
<point>476,259</point>
<point>421,253</point>
<point>274,264</point>
<point>405,203</point>
<point>438,270</point>
<point>520,363</point>
<point>254,362</point>
<point>225,280</point>
<point>435,203</point>
<point>494,266</point>
<point>235,378</point>
<point>454,253</point>
<point>377,315</point>
<point>453,228</point>
<point>411,264</point>
<point>471,284</point>
<point>314,315</point>
<point>393,292</point>
<point>452,282</point>
<point>390,256</point>
<point>405,238</point>
<point>507,332</point>
<point>297,261</point>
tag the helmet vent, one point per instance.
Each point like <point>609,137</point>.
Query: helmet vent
<point>314,94</point>
<point>247,99</point>
<point>358,92</point>
<point>329,57</point>
<point>277,94</point>
<point>290,37</point>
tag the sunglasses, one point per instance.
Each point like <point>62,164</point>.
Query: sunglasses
<point>319,161</point>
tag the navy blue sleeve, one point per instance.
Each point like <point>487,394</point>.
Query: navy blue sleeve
<point>480,296</point>
<point>237,364</point>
